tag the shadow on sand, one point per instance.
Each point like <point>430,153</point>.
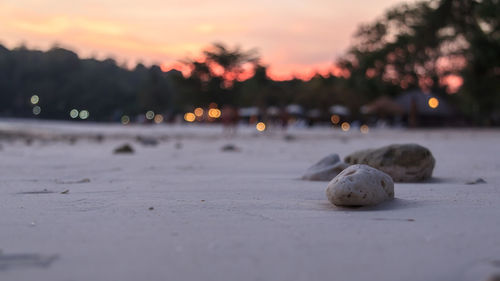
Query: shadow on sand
<point>8,261</point>
<point>394,204</point>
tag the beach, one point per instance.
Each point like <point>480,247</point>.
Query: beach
<point>181,208</point>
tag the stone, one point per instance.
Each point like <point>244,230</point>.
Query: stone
<point>476,181</point>
<point>124,149</point>
<point>403,162</point>
<point>230,148</point>
<point>326,169</point>
<point>360,185</point>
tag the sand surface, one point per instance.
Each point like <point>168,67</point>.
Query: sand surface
<point>236,215</point>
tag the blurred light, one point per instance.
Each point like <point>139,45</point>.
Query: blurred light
<point>84,114</point>
<point>345,126</point>
<point>335,119</point>
<point>364,129</point>
<point>189,117</point>
<point>433,102</point>
<point>198,111</point>
<point>261,126</point>
<point>125,120</point>
<point>34,99</point>
<point>150,115</point>
<point>73,113</point>
<point>158,118</point>
<point>37,110</point>
<point>214,112</point>
<point>212,105</point>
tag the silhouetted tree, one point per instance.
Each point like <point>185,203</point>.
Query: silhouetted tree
<point>418,45</point>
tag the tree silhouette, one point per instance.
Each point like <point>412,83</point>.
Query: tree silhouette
<point>419,45</point>
<point>230,60</point>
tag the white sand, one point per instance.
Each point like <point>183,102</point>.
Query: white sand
<point>239,215</point>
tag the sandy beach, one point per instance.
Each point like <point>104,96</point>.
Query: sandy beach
<point>186,210</point>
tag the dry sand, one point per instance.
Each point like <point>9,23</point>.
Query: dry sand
<point>240,215</point>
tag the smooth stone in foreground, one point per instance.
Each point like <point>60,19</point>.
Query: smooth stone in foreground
<point>403,162</point>
<point>326,169</point>
<point>360,185</point>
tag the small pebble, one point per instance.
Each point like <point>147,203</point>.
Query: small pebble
<point>126,148</point>
<point>476,181</point>
<point>229,147</point>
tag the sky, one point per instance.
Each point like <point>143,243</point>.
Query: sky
<point>294,38</point>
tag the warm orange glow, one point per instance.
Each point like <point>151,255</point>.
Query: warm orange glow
<point>158,118</point>
<point>335,119</point>
<point>261,126</point>
<point>433,102</point>
<point>452,83</point>
<point>370,73</point>
<point>189,117</point>
<point>214,113</point>
<point>364,129</point>
<point>137,32</point>
<point>306,72</point>
<point>345,126</point>
<point>183,68</point>
<point>198,112</point>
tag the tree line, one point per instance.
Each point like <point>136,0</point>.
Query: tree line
<point>412,46</point>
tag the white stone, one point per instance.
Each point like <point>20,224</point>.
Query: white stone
<point>360,185</point>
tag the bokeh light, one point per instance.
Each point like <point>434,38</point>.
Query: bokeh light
<point>189,117</point>
<point>34,99</point>
<point>433,102</point>
<point>335,119</point>
<point>364,129</point>
<point>150,115</point>
<point>84,114</point>
<point>158,118</point>
<point>73,113</point>
<point>37,110</point>
<point>198,112</point>
<point>345,126</point>
<point>214,113</point>
<point>261,126</point>
<point>125,119</point>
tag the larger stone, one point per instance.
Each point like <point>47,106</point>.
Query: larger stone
<point>360,185</point>
<point>326,169</point>
<point>403,162</point>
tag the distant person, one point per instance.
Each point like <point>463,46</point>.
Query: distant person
<point>284,119</point>
<point>230,118</point>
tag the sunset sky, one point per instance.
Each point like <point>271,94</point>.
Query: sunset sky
<point>293,37</point>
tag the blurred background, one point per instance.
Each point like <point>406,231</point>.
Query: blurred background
<point>348,64</point>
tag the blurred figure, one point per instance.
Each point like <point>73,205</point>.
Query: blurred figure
<point>229,118</point>
<point>284,118</point>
